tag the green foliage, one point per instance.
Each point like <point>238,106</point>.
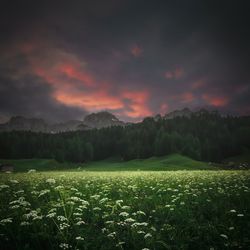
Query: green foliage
<point>125,210</point>
<point>206,137</point>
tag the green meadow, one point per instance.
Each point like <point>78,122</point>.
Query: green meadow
<point>170,162</point>
<point>84,208</point>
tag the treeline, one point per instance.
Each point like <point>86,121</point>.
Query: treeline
<point>207,137</point>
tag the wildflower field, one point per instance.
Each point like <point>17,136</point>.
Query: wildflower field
<point>125,210</point>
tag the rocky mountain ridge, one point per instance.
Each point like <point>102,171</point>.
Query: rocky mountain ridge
<point>94,120</point>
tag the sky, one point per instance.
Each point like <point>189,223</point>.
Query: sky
<point>61,60</point>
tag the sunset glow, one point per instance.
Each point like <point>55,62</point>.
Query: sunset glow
<point>131,63</point>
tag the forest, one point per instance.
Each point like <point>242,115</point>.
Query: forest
<point>207,136</point>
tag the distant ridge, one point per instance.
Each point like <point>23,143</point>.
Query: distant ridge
<point>102,119</point>
<point>92,121</point>
<point>186,112</point>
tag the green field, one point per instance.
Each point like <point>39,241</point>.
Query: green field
<point>170,162</point>
<point>125,210</point>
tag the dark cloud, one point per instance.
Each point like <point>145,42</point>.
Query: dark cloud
<point>31,97</point>
<point>141,57</point>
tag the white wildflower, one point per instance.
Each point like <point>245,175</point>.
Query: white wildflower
<point>59,187</point>
<point>79,238</point>
<point>3,187</point>
<point>75,199</point>
<point>64,246</point>
<point>125,207</point>
<point>103,200</point>
<point>129,220</point>
<point>31,171</point>
<point>141,232</point>
<point>51,215</point>
<point>25,223</point>
<point>6,221</point>
<point>148,235</point>
<point>14,181</point>
<point>43,192</point>
<point>124,214</point>
<point>140,213</point>
<point>112,235</point>
<point>120,243</point>
<point>63,226</point>
<point>97,209</point>
<point>62,218</point>
<point>118,202</point>
<point>51,181</point>
<point>224,236</point>
<point>81,222</point>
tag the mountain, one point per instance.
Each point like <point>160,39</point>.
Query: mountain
<point>179,113</point>
<point>94,120</point>
<point>102,119</point>
<point>186,112</point>
<point>22,123</point>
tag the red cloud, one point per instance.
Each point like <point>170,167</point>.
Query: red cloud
<point>72,71</point>
<point>61,68</point>
<point>92,101</point>
<point>136,51</point>
<point>217,101</point>
<point>81,89</point>
<point>138,103</point>
<point>132,104</point>
<point>73,84</point>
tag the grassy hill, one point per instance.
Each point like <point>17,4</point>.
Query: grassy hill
<point>170,162</point>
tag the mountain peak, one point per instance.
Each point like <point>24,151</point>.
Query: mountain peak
<point>102,119</point>
<point>186,112</point>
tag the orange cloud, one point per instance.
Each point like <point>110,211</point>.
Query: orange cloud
<point>217,101</point>
<point>60,68</point>
<point>73,85</point>
<point>96,95</point>
<point>138,103</point>
<point>130,103</point>
<point>73,72</point>
<point>136,51</point>
<point>92,101</point>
